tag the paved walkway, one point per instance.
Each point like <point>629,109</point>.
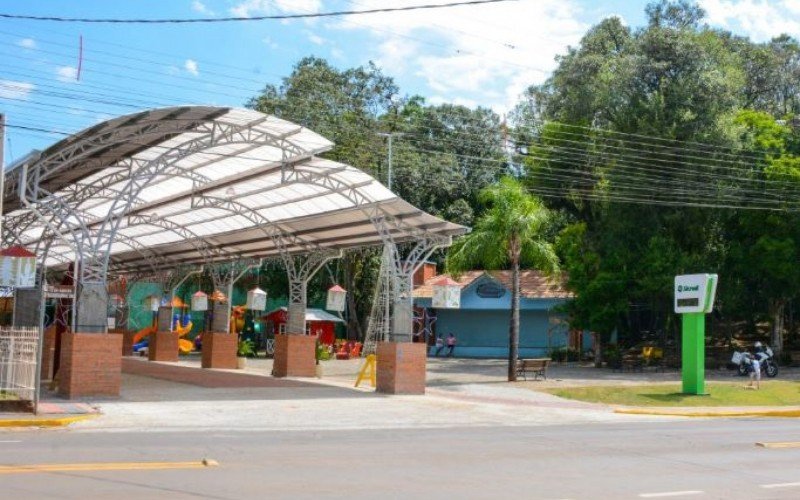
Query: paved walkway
<point>182,396</point>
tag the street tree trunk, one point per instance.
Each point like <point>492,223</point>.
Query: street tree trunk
<point>513,330</point>
<point>777,309</point>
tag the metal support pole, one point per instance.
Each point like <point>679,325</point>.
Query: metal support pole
<point>389,137</point>
<point>299,276</point>
<point>175,289</point>
<point>2,169</point>
<point>40,347</point>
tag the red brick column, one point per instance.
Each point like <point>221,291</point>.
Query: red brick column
<point>295,356</point>
<point>127,340</point>
<point>90,365</point>
<point>48,353</point>
<point>219,350</point>
<point>401,368</point>
<point>163,346</point>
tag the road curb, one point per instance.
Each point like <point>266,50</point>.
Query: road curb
<point>794,413</point>
<point>44,422</point>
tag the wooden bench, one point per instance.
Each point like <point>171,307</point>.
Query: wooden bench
<point>536,366</point>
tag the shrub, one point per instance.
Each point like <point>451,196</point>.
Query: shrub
<point>561,354</point>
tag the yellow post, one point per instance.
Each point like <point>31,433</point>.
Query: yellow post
<point>367,368</point>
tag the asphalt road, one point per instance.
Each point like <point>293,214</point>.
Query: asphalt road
<point>693,459</point>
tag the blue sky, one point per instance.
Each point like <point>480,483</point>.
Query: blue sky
<point>477,55</point>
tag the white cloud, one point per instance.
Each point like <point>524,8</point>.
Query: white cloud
<point>761,20</point>
<point>201,8</point>
<point>337,54</point>
<point>10,89</point>
<point>191,66</point>
<point>270,42</point>
<point>67,74</point>
<point>27,43</point>
<point>466,52</point>
<point>314,38</point>
<point>250,8</point>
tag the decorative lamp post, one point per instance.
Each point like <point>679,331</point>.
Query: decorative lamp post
<point>446,294</point>
<point>256,299</point>
<point>199,301</point>
<point>336,298</point>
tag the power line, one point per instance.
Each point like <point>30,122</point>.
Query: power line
<point>252,18</point>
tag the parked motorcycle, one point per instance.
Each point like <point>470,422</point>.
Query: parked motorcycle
<point>743,361</point>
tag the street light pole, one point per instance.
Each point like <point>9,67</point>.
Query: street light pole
<point>2,168</point>
<point>389,136</point>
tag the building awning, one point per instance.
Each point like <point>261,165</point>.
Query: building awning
<point>199,184</point>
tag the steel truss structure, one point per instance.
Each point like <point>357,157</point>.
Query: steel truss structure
<point>168,190</point>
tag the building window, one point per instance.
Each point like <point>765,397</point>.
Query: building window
<point>282,329</point>
<point>490,291</point>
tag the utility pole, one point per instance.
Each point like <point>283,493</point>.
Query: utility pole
<point>2,169</point>
<point>389,136</point>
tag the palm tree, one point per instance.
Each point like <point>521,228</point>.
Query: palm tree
<point>508,233</point>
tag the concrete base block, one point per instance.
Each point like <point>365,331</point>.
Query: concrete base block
<point>295,356</point>
<point>90,365</point>
<point>401,368</point>
<point>219,350</point>
<point>163,346</point>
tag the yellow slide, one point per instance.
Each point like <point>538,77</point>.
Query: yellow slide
<point>185,346</point>
<point>144,332</point>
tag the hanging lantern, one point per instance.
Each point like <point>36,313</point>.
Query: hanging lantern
<point>177,303</point>
<point>199,301</point>
<point>336,298</point>
<point>446,294</point>
<point>256,299</point>
<point>152,302</point>
<point>218,296</point>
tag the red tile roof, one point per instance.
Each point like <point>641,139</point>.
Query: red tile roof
<point>532,284</point>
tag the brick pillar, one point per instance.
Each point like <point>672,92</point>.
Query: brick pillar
<point>90,365</point>
<point>127,342</point>
<point>401,368</point>
<point>295,356</point>
<point>163,346</point>
<point>48,353</point>
<point>219,350</point>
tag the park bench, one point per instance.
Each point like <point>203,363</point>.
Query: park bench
<point>537,366</point>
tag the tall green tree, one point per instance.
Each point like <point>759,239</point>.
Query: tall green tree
<point>509,233</point>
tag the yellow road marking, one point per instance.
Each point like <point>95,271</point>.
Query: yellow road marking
<point>103,466</point>
<point>785,444</point>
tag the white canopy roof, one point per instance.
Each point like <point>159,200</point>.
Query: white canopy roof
<point>198,184</point>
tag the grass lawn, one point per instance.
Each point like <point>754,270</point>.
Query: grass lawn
<point>772,393</point>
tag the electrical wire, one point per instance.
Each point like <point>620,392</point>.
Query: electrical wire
<point>250,18</point>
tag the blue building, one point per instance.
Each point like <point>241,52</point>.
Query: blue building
<point>481,324</point>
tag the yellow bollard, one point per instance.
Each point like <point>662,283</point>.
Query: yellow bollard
<point>367,368</point>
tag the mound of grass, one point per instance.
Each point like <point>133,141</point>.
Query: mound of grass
<point>772,393</point>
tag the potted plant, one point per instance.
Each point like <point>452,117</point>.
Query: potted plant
<point>245,349</point>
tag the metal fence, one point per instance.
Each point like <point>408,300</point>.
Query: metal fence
<point>18,362</point>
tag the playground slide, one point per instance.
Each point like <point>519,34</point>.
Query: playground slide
<point>185,346</point>
<point>144,332</point>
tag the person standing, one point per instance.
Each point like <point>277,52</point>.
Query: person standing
<point>439,346</point>
<point>451,344</point>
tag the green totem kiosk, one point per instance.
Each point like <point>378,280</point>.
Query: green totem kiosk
<point>694,298</point>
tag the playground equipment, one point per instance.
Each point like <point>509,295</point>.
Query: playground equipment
<point>185,346</point>
<point>237,319</point>
<point>144,332</point>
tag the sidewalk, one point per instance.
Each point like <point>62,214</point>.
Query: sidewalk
<point>52,413</point>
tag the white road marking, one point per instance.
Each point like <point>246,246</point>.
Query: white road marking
<point>780,485</point>
<point>671,494</point>
<point>12,441</point>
